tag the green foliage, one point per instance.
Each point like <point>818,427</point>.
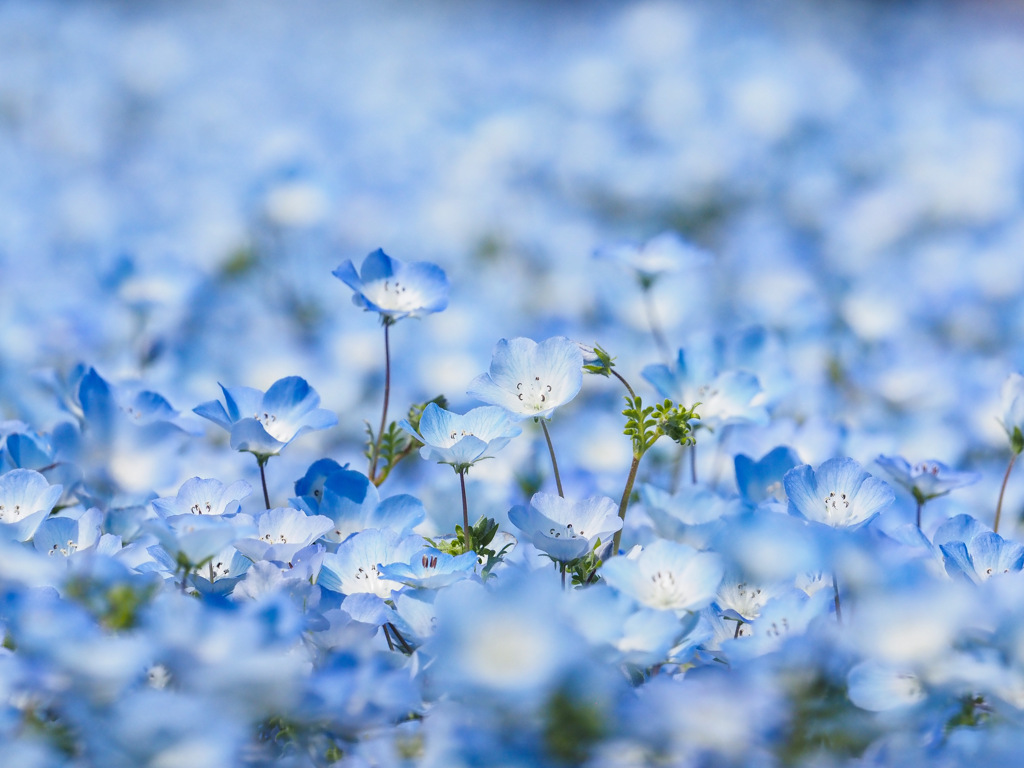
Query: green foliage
<point>1017,440</point>
<point>396,443</point>
<point>644,425</point>
<point>572,728</point>
<point>604,364</point>
<point>116,607</point>
<point>584,569</point>
<point>482,535</point>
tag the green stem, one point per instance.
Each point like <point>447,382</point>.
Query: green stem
<point>693,463</point>
<point>375,451</point>
<point>625,383</point>
<point>263,478</point>
<point>617,538</point>
<point>467,532</point>
<point>554,463</point>
<point>920,506</point>
<point>563,575</point>
<point>835,588</point>
<point>1002,491</point>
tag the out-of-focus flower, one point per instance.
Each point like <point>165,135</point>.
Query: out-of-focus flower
<point>394,288</point>
<point>1012,410</point>
<point>264,423</point>
<point>26,498</point>
<point>563,529</point>
<point>531,379</point>
<point>839,493</point>
<point>982,556</point>
<point>926,479</point>
<point>663,253</point>
<point>879,687</point>
<point>463,439</point>
<point>761,480</point>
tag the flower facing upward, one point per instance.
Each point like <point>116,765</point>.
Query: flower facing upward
<point>531,379</point>
<point>839,494</point>
<point>394,288</point>
<point>463,439</point>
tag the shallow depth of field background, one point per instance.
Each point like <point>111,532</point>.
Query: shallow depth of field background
<point>178,180</point>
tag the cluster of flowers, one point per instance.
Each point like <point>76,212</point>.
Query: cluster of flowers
<point>774,625</point>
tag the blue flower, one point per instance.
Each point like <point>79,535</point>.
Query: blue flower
<point>463,439</point>
<point>264,423</point>
<point>353,503</point>
<point>26,499</point>
<point>282,532</point>
<point>199,496</point>
<point>563,529</point>
<point>394,288</point>
<point>761,480</point>
<point>354,568</point>
<point>667,252</point>
<point>531,379</point>
<point>667,575</point>
<point>430,568</point>
<point>839,494</point>
<point>984,555</point>
<point>926,479</point>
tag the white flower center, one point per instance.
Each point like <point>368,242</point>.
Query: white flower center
<point>534,394</point>
<point>394,295</point>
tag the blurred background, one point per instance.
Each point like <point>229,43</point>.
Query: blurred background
<point>178,180</point>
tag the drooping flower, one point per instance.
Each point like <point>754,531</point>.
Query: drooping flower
<point>264,423</point>
<point>563,529</point>
<point>839,493</point>
<point>394,288</point>
<point>531,379</point>
<point>463,439</point>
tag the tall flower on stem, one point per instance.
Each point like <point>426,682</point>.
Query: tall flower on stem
<point>263,423</point>
<point>839,494</point>
<point>530,380</point>
<point>1013,422</point>
<point>461,440</point>
<point>394,289</point>
<point>926,479</point>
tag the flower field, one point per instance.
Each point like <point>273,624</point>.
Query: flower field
<point>517,384</point>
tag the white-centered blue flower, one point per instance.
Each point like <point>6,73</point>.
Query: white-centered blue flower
<point>204,496</point>
<point>566,530</point>
<point>463,439</point>
<point>355,567</point>
<point>26,498</point>
<point>394,288</point>
<point>530,379</point>
<point>430,568</point>
<point>839,493</point>
<point>283,531</point>
<point>879,687</point>
<point>263,423</point>
<point>982,556</point>
<point>667,575</point>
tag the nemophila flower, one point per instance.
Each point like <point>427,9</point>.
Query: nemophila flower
<point>761,480</point>
<point>879,687</point>
<point>666,575</point>
<point>839,493</point>
<point>926,479</point>
<point>430,568</point>
<point>352,502</point>
<point>691,515</point>
<point>26,498</point>
<point>263,423</point>
<point>204,496</point>
<point>725,397</point>
<point>310,487</point>
<point>354,567</point>
<point>663,253</point>
<point>531,379</point>
<point>566,530</point>
<point>65,535</point>
<point>463,439</point>
<point>984,555</point>
<point>394,288</point>
<point>281,532</point>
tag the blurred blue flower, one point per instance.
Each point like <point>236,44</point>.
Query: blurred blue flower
<point>982,556</point>
<point>394,288</point>
<point>839,493</point>
<point>1012,410</point>
<point>663,253</point>
<point>926,479</point>
<point>566,530</point>
<point>463,439</point>
<point>531,379</point>
<point>761,480</point>
<point>353,503</point>
<point>879,687</point>
<point>264,423</point>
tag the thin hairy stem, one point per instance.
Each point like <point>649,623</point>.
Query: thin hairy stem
<point>920,506</point>
<point>263,479</point>
<point>387,636</point>
<point>626,492</point>
<point>375,450</point>
<point>835,588</point>
<point>466,531</point>
<point>554,462</point>
<point>655,325</point>
<point>1002,491</point>
<point>625,383</point>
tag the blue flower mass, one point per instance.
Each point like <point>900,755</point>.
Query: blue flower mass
<point>719,329</point>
